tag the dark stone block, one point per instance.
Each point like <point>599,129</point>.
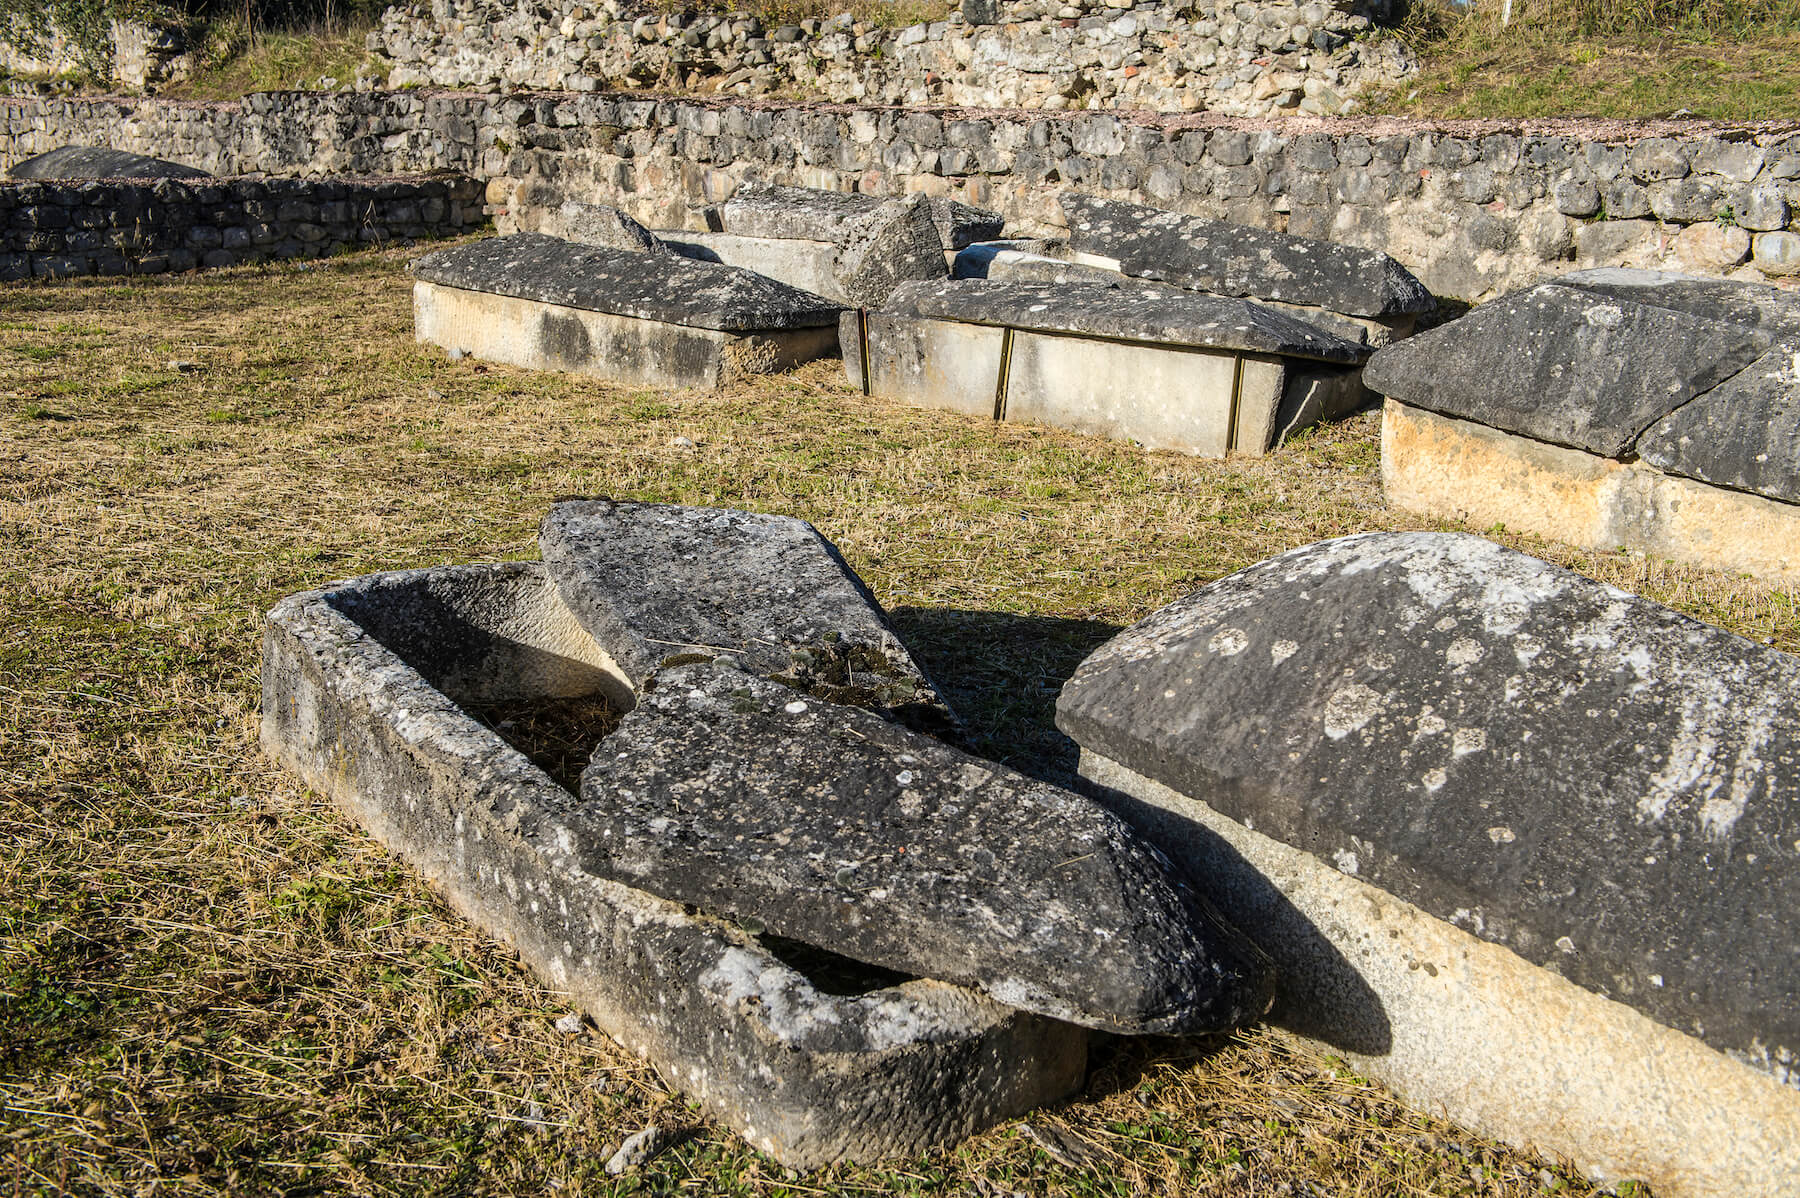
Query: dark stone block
<point>1564,365</point>
<point>1743,434</point>
<point>84,162</point>
<point>1755,305</point>
<point>1598,783</point>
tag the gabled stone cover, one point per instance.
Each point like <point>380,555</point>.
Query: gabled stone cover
<point>811,214</point>
<point>1601,784</point>
<point>655,582</point>
<point>1241,260</point>
<point>99,162</point>
<point>664,288</point>
<point>1756,305</point>
<point>1565,365</point>
<point>836,828</point>
<point>1165,316</point>
<point>1743,434</point>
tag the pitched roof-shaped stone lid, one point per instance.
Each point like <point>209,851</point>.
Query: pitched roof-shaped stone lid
<point>1164,315</point>
<point>651,582</point>
<point>1756,305</point>
<point>100,162</point>
<point>827,825</point>
<point>1242,260</point>
<point>1564,365</point>
<point>1743,434</point>
<point>1603,785</point>
<point>662,287</point>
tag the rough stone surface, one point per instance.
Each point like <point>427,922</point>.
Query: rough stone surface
<point>1778,254</point>
<point>1755,305</point>
<point>813,214</point>
<point>886,247</point>
<point>1238,260</point>
<point>1161,315</point>
<point>833,827</point>
<point>1598,783</point>
<point>361,691</point>
<point>660,287</point>
<point>597,224</point>
<point>99,162</point>
<point>1743,434</point>
<point>655,582</point>
<point>1565,365</point>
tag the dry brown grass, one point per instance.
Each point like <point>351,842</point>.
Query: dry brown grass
<point>210,982</point>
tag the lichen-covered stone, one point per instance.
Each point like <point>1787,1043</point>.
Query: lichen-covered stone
<point>1241,260</point>
<point>654,582</point>
<point>1755,305</point>
<point>598,224</point>
<point>1598,783</point>
<point>100,162</point>
<point>892,244</point>
<point>1565,365</point>
<point>1743,434</point>
<point>1160,315</point>
<point>833,827</point>
<point>812,214</point>
<point>659,287</point>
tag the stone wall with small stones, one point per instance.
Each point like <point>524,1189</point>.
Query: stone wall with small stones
<point>1473,208</point>
<point>121,226</point>
<point>1231,57</point>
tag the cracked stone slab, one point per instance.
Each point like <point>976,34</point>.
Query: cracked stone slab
<point>657,287</point>
<point>654,582</point>
<point>1743,434</point>
<point>599,224</point>
<point>1755,305</point>
<point>1565,365</point>
<point>831,826</point>
<point>1241,260</point>
<point>888,246</point>
<point>1601,785</point>
<point>364,687</point>
<point>1160,315</point>
<point>99,162</point>
<point>812,214</point>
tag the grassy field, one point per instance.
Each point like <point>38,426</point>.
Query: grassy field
<point>210,982</point>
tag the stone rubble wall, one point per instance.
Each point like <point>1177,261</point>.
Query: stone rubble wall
<point>1232,57</point>
<point>140,56</point>
<point>117,227</point>
<point>1474,209</point>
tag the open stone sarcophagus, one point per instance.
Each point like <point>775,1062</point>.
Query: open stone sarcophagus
<point>844,937</point>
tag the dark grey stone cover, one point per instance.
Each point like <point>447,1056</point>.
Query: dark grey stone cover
<point>1754,304</point>
<point>1601,784</point>
<point>1165,316</point>
<point>1743,434</point>
<point>812,214</point>
<point>892,244</point>
<point>833,827</point>
<point>662,287</point>
<point>653,582</point>
<point>1241,260</point>
<point>598,224</point>
<point>1565,365</point>
<point>98,162</point>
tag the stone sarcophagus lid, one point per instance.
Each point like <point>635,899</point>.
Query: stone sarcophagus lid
<point>759,868</point>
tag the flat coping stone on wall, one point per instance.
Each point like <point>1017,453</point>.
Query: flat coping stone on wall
<point>1241,260</point>
<point>833,827</point>
<point>1161,316</point>
<point>1602,785</point>
<point>364,684</point>
<point>659,287</point>
<point>768,592</point>
<point>1565,365</point>
<point>100,162</point>
<point>812,214</point>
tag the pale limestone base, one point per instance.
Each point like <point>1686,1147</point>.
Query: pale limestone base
<point>624,349</point>
<point>1459,470</point>
<point>1203,402</point>
<point>1469,1030</point>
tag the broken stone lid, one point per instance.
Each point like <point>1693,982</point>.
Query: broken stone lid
<point>98,162</point>
<point>661,287</point>
<point>599,224</point>
<point>1606,787</point>
<point>811,214</point>
<point>1241,260</point>
<point>1743,434</point>
<point>1756,305</point>
<point>655,582</point>
<point>1161,315</point>
<point>828,825</point>
<point>1565,365</point>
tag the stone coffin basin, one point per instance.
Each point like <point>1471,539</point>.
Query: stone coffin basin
<point>365,685</point>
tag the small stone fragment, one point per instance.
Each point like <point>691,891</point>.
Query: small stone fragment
<point>638,1150</point>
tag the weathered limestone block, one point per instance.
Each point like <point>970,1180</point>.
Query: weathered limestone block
<point>364,688</point>
<point>597,224</point>
<point>893,244</point>
<point>1163,367</point>
<point>100,162</point>
<point>836,828</point>
<point>1754,305</point>
<point>1241,260</point>
<point>1523,845</point>
<point>544,303</point>
<point>812,214</point>
<point>1743,434</point>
